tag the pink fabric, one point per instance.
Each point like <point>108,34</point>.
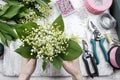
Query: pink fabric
<point>112,57</point>
<point>93,8</point>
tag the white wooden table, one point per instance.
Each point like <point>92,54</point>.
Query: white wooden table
<point>75,23</point>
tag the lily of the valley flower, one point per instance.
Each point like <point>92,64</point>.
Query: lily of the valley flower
<point>28,1</point>
<point>31,16</point>
<point>32,12</point>
<point>1,7</point>
<point>45,10</point>
<point>48,42</point>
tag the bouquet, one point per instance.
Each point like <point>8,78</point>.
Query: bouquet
<point>48,42</point>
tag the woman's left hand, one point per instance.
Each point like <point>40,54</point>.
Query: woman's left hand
<point>28,67</point>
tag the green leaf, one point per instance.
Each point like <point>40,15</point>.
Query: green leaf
<point>20,28</point>
<point>58,23</point>
<point>21,14</point>
<point>3,39</point>
<point>47,1</point>
<point>57,62</point>
<point>25,52</point>
<point>37,12</point>
<point>42,2</point>
<point>12,11</point>
<point>5,8</point>
<point>13,26</point>
<point>44,65</point>
<point>8,37</point>
<point>73,51</point>
<point>7,29</point>
<point>14,2</point>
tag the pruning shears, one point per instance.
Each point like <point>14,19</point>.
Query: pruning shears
<point>97,36</point>
<point>87,56</point>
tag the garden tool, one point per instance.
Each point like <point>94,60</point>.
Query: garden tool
<point>97,36</point>
<point>1,49</point>
<point>85,58</point>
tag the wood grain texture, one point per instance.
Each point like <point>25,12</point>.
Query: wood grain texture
<point>75,23</point>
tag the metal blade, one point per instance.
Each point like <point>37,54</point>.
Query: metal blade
<point>92,27</point>
<point>85,45</point>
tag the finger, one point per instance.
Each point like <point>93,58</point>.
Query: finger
<point>32,62</point>
<point>25,60</point>
<point>76,60</point>
<point>66,63</point>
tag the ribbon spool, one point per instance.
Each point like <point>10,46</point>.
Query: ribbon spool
<point>114,52</point>
<point>107,21</point>
<point>114,56</point>
<point>96,9</point>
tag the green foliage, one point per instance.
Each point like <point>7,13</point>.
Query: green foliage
<point>5,8</point>
<point>12,11</point>
<point>7,33</point>
<point>73,51</point>
<point>20,28</point>
<point>47,1</point>
<point>43,2</point>
<point>3,39</point>
<point>44,65</point>
<point>15,10</point>
<point>59,22</point>
<point>7,30</point>
<point>57,62</point>
<point>24,51</point>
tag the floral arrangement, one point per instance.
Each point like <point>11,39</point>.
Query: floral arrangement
<point>23,11</point>
<point>47,41</point>
<point>20,12</point>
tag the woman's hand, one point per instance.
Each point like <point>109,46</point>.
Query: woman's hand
<point>28,67</point>
<point>73,68</point>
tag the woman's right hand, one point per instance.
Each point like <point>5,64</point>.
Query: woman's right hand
<point>73,68</point>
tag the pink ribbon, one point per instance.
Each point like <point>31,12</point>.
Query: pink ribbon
<point>112,57</point>
<point>96,9</point>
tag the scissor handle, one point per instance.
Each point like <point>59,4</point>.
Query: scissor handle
<point>86,62</point>
<point>103,48</point>
<point>96,73</point>
<point>93,42</point>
